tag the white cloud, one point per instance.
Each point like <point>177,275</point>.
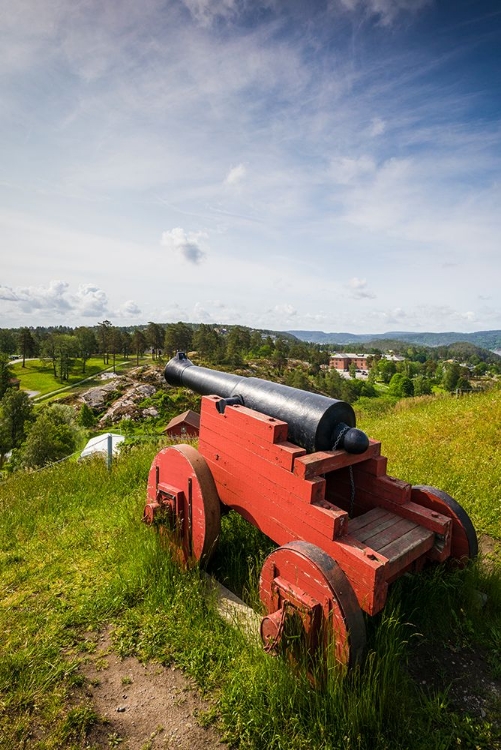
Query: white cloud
<point>358,289</point>
<point>235,175</point>
<point>348,171</point>
<point>378,126</point>
<point>124,118</point>
<point>90,301</point>
<point>190,245</point>
<point>6,293</point>
<point>130,308</point>
<point>386,10</point>
<point>206,12</point>
<point>56,297</point>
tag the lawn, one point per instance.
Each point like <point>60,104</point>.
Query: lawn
<point>39,377</point>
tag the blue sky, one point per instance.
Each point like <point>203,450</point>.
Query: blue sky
<point>326,165</point>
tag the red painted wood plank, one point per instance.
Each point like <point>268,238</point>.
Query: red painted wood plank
<point>431,520</point>
<point>376,466</point>
<point>212,445</point>
<point>283,522</point>
<point>323,462</point>
<point>260,488</point>
<point>385,486</point>
<point>240,417</point>
<point>281,453</point>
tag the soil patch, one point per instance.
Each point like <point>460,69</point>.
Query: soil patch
<point>144,706</point>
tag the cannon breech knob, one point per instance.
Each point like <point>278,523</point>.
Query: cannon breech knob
<point>350,439</point>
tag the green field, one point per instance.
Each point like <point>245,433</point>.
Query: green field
<point>38,376</point>
<point>75,558</point>
<point>450,443</point>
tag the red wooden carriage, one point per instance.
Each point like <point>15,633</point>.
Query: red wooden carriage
<point>293,464</point>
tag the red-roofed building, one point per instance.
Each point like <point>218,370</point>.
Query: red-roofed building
<point>185,425</point>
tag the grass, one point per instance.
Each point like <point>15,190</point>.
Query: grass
<point>74,558</point>
<point>450,443</point>
<point>39,376</point>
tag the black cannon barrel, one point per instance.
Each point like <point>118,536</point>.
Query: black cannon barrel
<point>315,422</point>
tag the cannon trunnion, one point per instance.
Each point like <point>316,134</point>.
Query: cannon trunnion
<point>346,529</point>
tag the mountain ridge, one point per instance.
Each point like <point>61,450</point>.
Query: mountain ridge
<point>484,339</point>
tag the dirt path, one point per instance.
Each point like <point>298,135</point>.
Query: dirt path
<point>144,706</point>
<point>150,707</point>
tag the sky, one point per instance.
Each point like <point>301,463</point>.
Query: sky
<point>327,165</point>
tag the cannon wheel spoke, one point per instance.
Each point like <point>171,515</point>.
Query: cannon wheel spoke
<point>464,538</point>
<point>300,577</point>
<point>181,483</point>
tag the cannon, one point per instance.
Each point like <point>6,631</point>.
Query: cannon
<point>294,464</point>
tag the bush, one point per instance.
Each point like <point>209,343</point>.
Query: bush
<point>53,436</point>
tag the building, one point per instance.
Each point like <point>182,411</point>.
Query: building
<point>185,425</point>
<point>343,362</point>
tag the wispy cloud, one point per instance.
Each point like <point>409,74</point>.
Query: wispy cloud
<point>309,144</point>
<point>235,175</point>
<point>386,10</point>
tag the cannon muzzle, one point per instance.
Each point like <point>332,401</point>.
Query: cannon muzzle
<point>315,422</point>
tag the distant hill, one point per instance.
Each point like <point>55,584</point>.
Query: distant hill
<point>483,339</point>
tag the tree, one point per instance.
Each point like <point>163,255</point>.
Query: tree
<point>6,375</point>
<point>115,345</point>
<point>279,354</point>
<point>237,345</point>
<point>480,369</point>
<point>17,413</point>
<point>86,416</point>
<point>66,349</point>
<point>4,443</point>
<point>155,336</point>
<point>452,373</point>
<point>297,378</point>
<point>138,344</point>
<point>27,343</point>
<point>386,369</point>
<point>48,352</point>
<point>8,344</point>
<point>350,389</point>
<point>422,385</point>
<point>52,437</point>
<point>87,344</point>
<point>401,386</point>
<point>178,338</point>
<point>256,342</point>
<point>103,336</point>
<point>463,384</point>
<point>126,343</point>
<point>333,384</point>
<point>208,343</point>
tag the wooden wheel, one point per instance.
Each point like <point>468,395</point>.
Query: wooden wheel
<point>464,545</point>
<point>183,500</point>
<point>301,582</point>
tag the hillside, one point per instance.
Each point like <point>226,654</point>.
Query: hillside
<point>76,562</point>
<point>483,339</point>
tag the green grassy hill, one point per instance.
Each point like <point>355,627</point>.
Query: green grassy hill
<point>75,558</point>
<point>450,443</point>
